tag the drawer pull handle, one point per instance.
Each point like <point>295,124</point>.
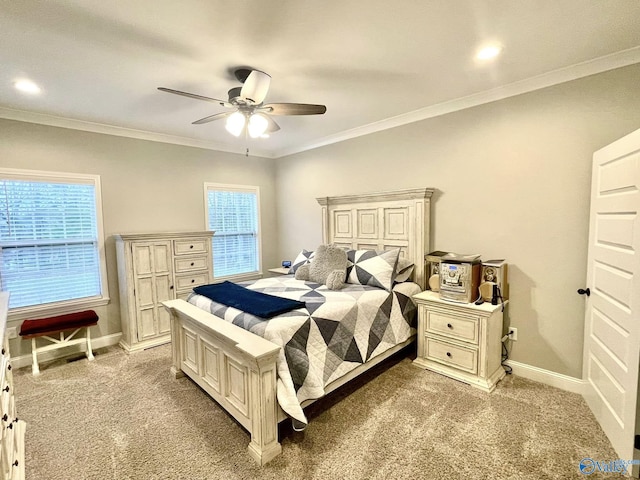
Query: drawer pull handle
<point>449,354</point>
<point>6,389</point>
<point>15,464</point>
<point>193,281</point>
<point>4,417</point>
<point>10,426</point>
<point>9,367</point>
<point>3,351</point>
<point>190,246</point>
<point>192,264</point>
<point>171,287</point>
<point>449,325</point>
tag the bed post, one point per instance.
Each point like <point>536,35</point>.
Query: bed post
<point>264,444</point>
<point>176,353</point>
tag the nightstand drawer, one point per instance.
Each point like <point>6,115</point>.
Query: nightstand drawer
<point>191,264</point>
<point>460,328</point>
<point>455,356</point>
<point>186,247</point>
<point>189,281</point>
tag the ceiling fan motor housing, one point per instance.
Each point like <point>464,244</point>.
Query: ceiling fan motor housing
<point>234,95</point>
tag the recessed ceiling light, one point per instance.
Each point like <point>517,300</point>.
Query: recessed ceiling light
<point>27,86</point>
<point>488,52</point>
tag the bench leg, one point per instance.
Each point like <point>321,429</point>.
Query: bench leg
<point>35,370</point>
<point>89,351</point>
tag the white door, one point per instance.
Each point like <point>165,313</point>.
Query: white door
<point>612,321</point>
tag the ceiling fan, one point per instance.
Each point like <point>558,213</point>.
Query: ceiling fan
<point>249,112</point>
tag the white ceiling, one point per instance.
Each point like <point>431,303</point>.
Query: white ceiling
<point>375,64</point>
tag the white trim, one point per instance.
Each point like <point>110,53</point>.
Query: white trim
<point>553,379</point>
<point>241,277</point>
<point>554,77</point>
<point>56,308</point>
<point>68,178</point>
<point>73,124</point>
<point>100,342</point>
<point>562,75</point>
<point>236,188</point>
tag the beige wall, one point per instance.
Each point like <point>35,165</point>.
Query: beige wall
<point>146,186</point>
<point>513,181</point>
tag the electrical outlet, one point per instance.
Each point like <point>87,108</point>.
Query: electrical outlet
<point>513,333</point>
<point>12,332</point>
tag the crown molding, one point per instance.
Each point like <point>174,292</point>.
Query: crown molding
<point>591,67</point>
<point>407,194</point>
<point>63,122</point>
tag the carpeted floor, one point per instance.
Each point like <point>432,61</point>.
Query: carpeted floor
<point>124,417</point>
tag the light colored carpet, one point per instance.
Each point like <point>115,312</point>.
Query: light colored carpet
<point>124,417</point>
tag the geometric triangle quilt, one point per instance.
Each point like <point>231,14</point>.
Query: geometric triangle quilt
<point>336,331</point>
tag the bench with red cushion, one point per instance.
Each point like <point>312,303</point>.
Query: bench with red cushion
<point>43,327</point>
<point>69,321</point>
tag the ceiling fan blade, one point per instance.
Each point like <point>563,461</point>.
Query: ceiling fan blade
<point>211,118</point>
<point>255,87</point>
<point>197,97</point>
<point>273,126</point>
<point>294,109</point>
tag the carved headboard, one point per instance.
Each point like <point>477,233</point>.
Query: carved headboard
<point>381,221</point>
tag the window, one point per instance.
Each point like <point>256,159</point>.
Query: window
<point>51,246</point>
<point>232,212</point>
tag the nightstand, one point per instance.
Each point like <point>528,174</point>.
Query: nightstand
<point>460,340</point>
<point>280,270</point>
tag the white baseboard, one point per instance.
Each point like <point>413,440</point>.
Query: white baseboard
<point>99,342</point>
<point>553,379</point>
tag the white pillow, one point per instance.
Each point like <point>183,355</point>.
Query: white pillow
<point>303,257</point>
<point>404,269</point>
<point>368,267</point>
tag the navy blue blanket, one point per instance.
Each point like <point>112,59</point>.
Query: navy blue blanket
<point>256,303</point>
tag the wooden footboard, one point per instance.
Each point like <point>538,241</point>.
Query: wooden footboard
<point>234,366</point>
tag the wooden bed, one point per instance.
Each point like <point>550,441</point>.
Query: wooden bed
<point>238,368</point>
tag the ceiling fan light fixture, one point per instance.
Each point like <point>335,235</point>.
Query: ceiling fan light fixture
<point>255,87</point>
<point>235,123</point>
<point>257,126</point>
<point>252,117</point>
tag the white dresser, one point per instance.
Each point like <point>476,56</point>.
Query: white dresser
<point>13,429</point>
<point>153,268</point>
<point>460,340</point>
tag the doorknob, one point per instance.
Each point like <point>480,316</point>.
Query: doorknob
<point>584,291</point>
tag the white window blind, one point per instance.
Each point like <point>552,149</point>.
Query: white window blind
<point>232,212</point>
<point>49,241</point>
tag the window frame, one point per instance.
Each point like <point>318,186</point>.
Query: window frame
<point>211,186</point>
<point>65,306</point>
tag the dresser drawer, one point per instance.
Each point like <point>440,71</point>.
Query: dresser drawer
<point>187,247</point>
<point>183,295</point>
<point>460,328</point>
<point>184,282</point>
<point>190,264</point>
<point>462,358</point>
